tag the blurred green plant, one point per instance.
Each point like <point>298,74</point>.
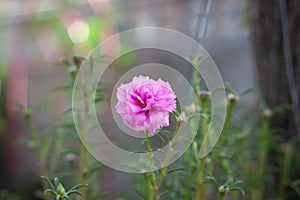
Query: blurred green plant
<point>58,190</point>
<point>61,152</point>
<point>241,156</point>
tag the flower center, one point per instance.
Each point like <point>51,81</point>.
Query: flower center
<point>140,103</point>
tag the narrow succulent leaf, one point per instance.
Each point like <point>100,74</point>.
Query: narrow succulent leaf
<point>79,186</point>
<point>161,138</point>
<point>238,189</point>
<point>70,192</point>
<point>56,181</point>
<point>166,193</point>
<point>175,170</point>
<point>212,176</point>
<point>238,182</point>
<point>48,181</point>
<point>248,91</point>
<point>212,180</point>
<point>50,191</point>
<point>201,115</point>
<point>228,182</point>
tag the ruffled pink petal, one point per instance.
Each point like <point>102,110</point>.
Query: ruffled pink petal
<point>144,104</point>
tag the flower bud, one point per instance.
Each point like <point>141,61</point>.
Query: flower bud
<point>203,95</point>
<point>73,69</point>
<point>27,111</point>
<point>183,117</point>
<point>60,190</point>
<point>192,108</point>
<point>223,189</point>
<point>70,157</point>
<point>78,60</point>
<point>232,99</point>
<point>267,113</point>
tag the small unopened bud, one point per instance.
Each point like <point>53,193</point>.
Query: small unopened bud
<point>207,160</point>
<point>192,108</point>
<point>203,95</point>
<point>223,189</point>
<point>73,69</point>
<point>267,113</point>
<point>78,60</point>
<point>232,99</point>
<point>183,117</point>
<point>60,190</point>
<point>71,157</point>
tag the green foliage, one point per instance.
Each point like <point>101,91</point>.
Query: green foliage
<point>58,190</point>
<point>238,167</point>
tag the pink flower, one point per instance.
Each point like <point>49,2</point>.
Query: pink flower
<point>144,104</point>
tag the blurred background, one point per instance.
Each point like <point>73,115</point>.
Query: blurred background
<point>245,38</point>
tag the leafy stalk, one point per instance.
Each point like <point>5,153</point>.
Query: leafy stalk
<point>163,171</point>
<point>200,191</point>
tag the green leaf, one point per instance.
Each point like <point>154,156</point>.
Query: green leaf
<point>45,149</point>
<point>70,192</point>
<point>238,182</point>
<point>161,137</point>
<point>175,170</point>
<point>282,107</point>
<point>212,180</point>
<point>166,193</point>
<point>48,181</point>
<point>68,124</point>
<point>50,191</point>
<point>57,149</point>
<point>176,114</point>
<point>65,88</point>
<point>248,91</point>
<point>56,181</point>
<point>238,189</point>
<point>76,187</point>
<point>296,186</point>
<point>204,116</point>
<point>66,63</point>
<point>229,181</point>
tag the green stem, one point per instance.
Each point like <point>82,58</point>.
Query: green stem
<point>152,174</point>
<point>163,172</point>
<point>262,157</point>
<point>200,192</point>
<point>84,161</point>
<point>285,169</point>
<point>225,162</point>
<point>37,149</point>
<point>221,196</point>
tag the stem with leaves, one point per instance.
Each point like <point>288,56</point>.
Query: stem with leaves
<point>200,191</point>
<point>285,169</point>
<point>152,174</point>
<point>58,190</point>
<point>264,139</point>
<point>37,148</point>
<point>157,182</point>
